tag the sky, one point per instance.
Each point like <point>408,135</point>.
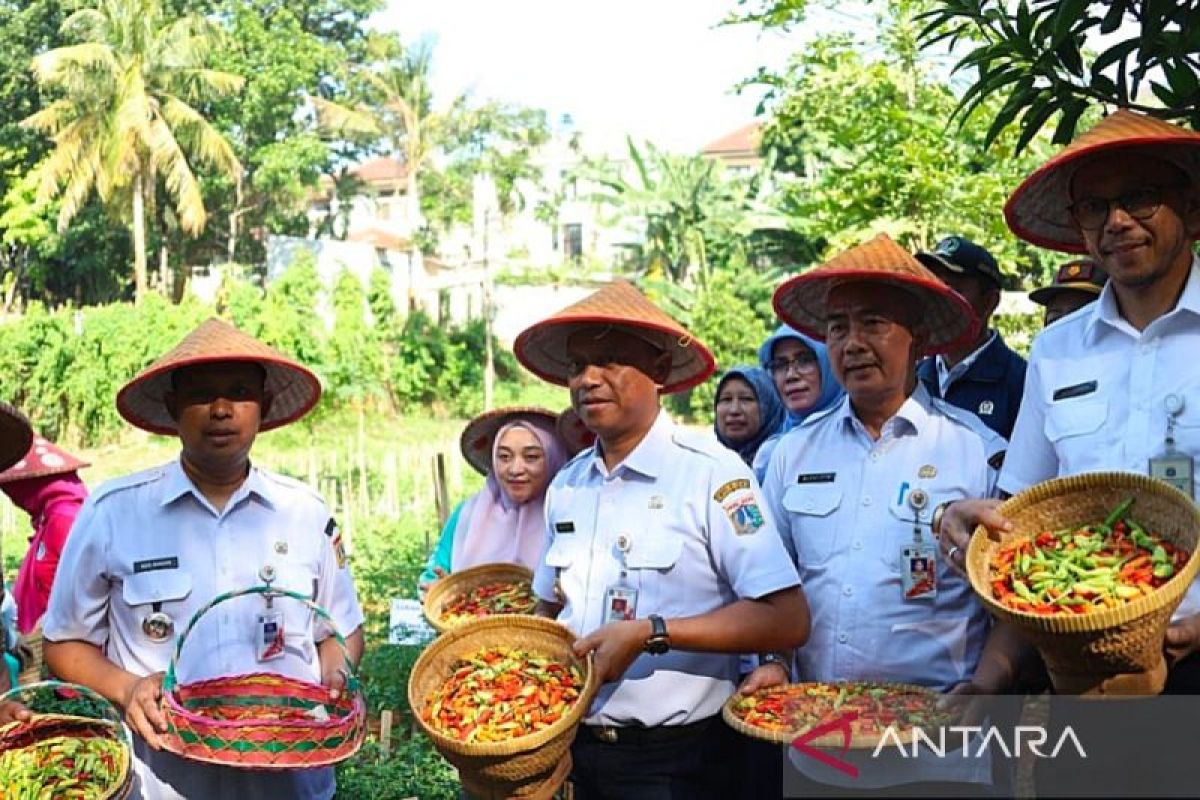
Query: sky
<point>658,69</point>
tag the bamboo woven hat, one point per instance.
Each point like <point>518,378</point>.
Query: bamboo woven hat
<point>575,435</point>
<point>43,458</point>
<point>542,347</point>
<point>1038,210</point>
<point>15,435</point>
<point>950,321</point>
<point>477,438</point>
<point>294,388</point>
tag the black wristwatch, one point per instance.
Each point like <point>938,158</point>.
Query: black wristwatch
<point>659,642</point>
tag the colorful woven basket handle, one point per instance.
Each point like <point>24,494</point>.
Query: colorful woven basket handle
<point>169,680</point>
<point>19,693</point>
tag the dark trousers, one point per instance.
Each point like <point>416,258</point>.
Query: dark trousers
<point>689,763</point>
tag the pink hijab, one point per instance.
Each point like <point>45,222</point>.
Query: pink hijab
<point>491,527</point>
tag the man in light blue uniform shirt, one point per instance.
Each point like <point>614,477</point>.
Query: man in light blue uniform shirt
<point>661,555</point>
<point>853,491</point>
<point>149,550</point>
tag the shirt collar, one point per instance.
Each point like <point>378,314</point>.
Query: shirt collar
<point>650,456</point>
<point>178,484</point>
<point>1105,309</point>
<point>911,417</point>
<point>966,363</point>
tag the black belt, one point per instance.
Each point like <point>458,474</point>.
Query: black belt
<point>635,734</point>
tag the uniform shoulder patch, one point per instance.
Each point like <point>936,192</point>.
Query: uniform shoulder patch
<point>729,487</point>
<point>334,532</point>
<point>997,459</point>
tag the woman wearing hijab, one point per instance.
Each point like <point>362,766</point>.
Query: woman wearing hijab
<point>800,371</point>
<point>519,451</point>
<point>748,411</point>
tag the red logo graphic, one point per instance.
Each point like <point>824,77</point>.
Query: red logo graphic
<point>842,723</point>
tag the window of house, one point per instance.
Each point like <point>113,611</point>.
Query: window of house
<point>573,241</point>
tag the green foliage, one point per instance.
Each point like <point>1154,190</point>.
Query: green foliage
<point>356,358</point>
<point>1040,60</point>
<point>413,769</point>
<point>863,146</point>
<point>1018,330</point>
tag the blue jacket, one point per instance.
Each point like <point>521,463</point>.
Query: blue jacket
<point>990,389</point>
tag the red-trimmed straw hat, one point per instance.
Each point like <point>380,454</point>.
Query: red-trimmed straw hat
<point>294,388</point>
<point>477,438</point>
<point>949,319</point>
<point>542,347</point>
<point>15,435</point>
<point>575,435</point>
<point>1038,210</point>
<point>42,459</point>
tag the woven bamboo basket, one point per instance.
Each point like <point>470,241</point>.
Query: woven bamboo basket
<point>526,759</point>
<point>1117,650</point>
<point>456,583</point>
<point>282,723</point>
<point>51,728</point>
<point>832,739</point>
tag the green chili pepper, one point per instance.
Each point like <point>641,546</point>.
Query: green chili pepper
<point>1118,513</point>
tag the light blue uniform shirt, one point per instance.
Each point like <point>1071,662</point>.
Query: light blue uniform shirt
<point>152,540</point>
<point>698,538</point>
<point>841,501</point>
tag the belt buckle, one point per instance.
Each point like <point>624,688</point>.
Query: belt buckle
<point>606,733</point>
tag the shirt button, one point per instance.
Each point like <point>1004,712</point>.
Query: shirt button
<point>843,638</point>
<point>874,455</point>
<point>866,501</point>
<point>808,506</point>
<point>858,545</point>
<point>849,590</point>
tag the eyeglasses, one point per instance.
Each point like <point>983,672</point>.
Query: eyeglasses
<point>803,363</point>
<point>1091,212</point>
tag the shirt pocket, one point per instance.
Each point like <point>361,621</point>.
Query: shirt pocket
<point>811,520</point>
<point>651,560</point>
<point>562,552</point>
<point>1071,421</point>
<point>158,590</point>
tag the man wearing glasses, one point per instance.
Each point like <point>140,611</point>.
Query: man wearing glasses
<point>1114,386</point>
<point>984,376</point>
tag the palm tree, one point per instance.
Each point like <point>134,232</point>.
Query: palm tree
<point>125,115</point>
<point>398,109</point>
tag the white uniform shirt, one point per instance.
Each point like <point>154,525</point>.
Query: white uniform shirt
<point>151,541</point>
<point>687,553</point>
<point>841,502</point>
<point>1094,395</point>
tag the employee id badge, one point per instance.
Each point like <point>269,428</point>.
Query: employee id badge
<point>620,602</point>
<point>1175,468</point>
<point>918,571</point>
<point>268,635</point>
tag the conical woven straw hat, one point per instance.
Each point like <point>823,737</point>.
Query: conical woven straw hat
<point>15,435</point>
<point>477,438</point>
<point>294,389</point>
<point>43,458</point>
<point>949,320</point>
<point>542,347</point>
<point>1038,210</point>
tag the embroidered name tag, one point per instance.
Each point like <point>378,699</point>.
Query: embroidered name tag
<point>152,564</point>
<point>1078,390</point>
<point>816,477</point>
<point>564,527</point>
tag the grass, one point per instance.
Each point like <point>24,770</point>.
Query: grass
<point>376,472</point>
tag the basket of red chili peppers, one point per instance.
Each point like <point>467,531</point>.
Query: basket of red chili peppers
<point>480,591</point>
<point>500,697</point>
<point>1090,572</point>
<point>60,755</point>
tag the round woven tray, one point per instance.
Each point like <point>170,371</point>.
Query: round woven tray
<point>832,739</point>
<point>263,740</point>
<point>456,583</point>
<point>517,759</point>
<point>1113,651</point>
<point>42,727</point>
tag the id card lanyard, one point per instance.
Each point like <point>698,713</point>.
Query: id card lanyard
<point>620,599</point>
<point>918,559</point>
<point>268,623</point>
<point>1173,466</point>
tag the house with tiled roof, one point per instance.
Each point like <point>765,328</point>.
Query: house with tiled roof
<point>738,149</point>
